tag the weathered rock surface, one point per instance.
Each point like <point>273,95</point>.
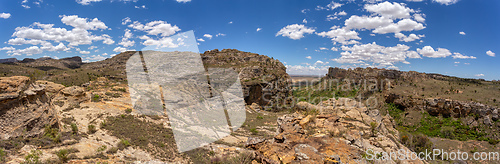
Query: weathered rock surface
<point>25,108</point>
<point>51,87</point>
<point>340,133</point>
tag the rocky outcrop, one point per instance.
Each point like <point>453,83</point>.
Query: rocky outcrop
<point>264,79</point>
<point>446,107</point>
<point>334,131</point>
<point>366,73</point>
<point>25,108</point>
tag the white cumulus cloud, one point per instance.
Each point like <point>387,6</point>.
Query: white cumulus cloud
<point>83,23</point>
<point>295,31</point>
<point>428,51</point>
<point>490,53</point>
<point>156,28</point>
<point>419,17</point>
<point>375,55</point>
<point>409,38</point>
<point>4,15</point>
<point>341,35</point>
<point>183,1</point>
<point>390,10</point>
<point>461,33</point>
<point>208,36</point>
<point>44,34</point>
<point>125,40</point>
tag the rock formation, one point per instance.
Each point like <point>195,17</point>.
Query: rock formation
<point>25,108</point>
<point>264,79</point>
<point>334,131</point>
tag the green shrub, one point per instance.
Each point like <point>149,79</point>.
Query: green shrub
<point>128,110</point>
<point>103,124</point>
<point>52,133</point>
<point>373,127</point>
<point>2,155</point>
<point>63,155</point>
<point>96,98</point>
<point>92,129</point>
<point>254,131</point>
<point>421,143</point>
<point>493,141</point>
<point>74,128</point>
<point>448,132</point>
<point>123,144</point>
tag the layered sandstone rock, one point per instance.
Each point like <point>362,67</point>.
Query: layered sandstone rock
<point>25,108</point>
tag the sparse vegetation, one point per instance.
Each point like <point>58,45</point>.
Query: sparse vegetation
<point>102,148</point>
<point>149,137</point>
<point>114,95</point>
<point>119,89</point>
<point>112,150</point>
<point>33,157</point>
<point>325,90</point>
<point>204,156</point>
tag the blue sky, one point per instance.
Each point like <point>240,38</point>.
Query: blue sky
<point>452,37</point>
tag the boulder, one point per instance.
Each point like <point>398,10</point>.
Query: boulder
<point>11,87</point>
<point>73,91</point>
<point>51,87</point>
